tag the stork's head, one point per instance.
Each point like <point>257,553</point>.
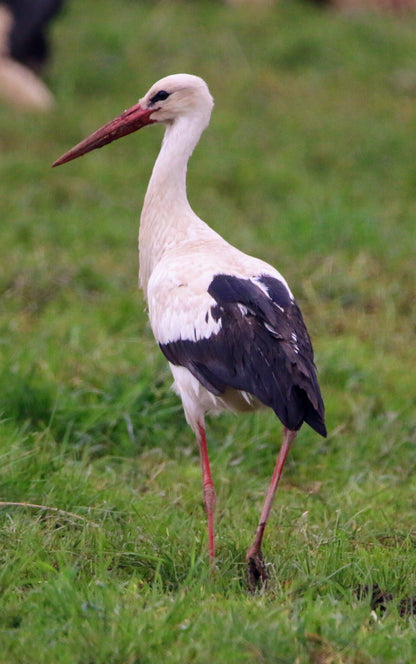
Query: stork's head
<point>168,100</point>
<point>176,96</point>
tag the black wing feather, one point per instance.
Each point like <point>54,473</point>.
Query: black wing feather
<point>263,348</point>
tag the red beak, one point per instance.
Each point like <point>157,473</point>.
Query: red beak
<point>131,120</point>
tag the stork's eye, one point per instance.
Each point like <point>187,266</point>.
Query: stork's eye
<point>159,96</point>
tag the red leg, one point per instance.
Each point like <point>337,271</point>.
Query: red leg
<point>257,569</point>
<point>210,497</point>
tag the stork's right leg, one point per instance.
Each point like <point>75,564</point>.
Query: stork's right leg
<point>256,572</point>
<point>210,497</point>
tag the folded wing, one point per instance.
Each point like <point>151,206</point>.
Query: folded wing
<point>261,347</point>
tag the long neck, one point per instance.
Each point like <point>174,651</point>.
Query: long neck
<point>167,215</point>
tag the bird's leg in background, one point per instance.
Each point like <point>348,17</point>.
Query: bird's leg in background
<point>210,497</point>
<point>256,572</point>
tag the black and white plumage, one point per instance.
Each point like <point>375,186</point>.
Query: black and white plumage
<point>262,349</point>
<point>227,322</point>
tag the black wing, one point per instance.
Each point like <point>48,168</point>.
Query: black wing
<point>262,347</point>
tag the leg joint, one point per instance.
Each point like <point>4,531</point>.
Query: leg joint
<point>210,497</point>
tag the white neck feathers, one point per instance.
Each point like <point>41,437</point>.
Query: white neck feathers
<point>167,216</point>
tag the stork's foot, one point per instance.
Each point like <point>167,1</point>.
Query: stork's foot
<point>256,571</point>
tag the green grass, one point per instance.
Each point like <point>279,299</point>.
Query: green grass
<point>308,163</point>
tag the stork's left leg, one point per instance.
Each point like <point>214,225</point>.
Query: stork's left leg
<point>210,497</point>
<point>256,572</point>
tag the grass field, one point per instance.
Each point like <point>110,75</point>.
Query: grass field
<point>309,163</point>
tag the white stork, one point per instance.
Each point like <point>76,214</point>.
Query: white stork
<point>227,322</point>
